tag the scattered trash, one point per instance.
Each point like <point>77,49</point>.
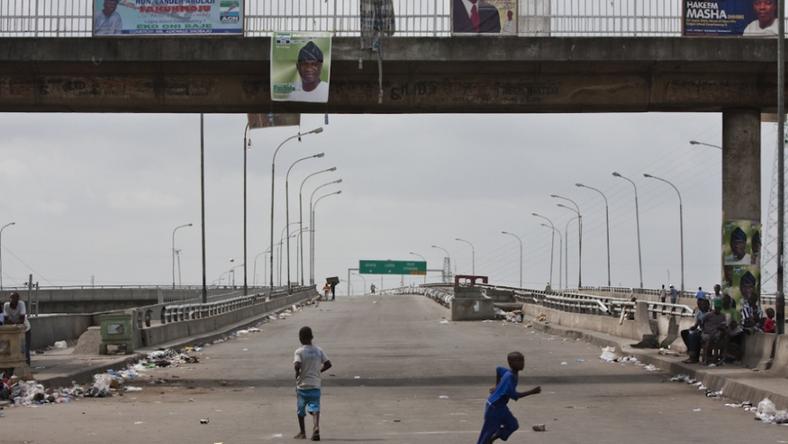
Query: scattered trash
<point>695,410</point>
<point>245,349</point>
<point>443,397</point>
<point>242,332</point>
<point>608,354</point>
<point>540,428</point>
<point>132,388</point>
<point>444,321</point>
<point>61,345</point>
<point>580,360</point>
<point>254,330</point>
<point>651,368</point>
<point>563,363</point>
<point>668,352</point>
<point>138,422</point>
<point>357,377</point>
<point>713,394</point>
<point>204,421</point>
<point>541,317</point>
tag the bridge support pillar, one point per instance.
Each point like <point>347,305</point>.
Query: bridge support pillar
<point>741,202</point>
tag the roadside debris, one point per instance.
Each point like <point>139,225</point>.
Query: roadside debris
<point>539,428</point>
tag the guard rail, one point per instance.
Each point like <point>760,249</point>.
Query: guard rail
<point>167,313</point>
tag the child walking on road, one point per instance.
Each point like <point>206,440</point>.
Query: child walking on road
<point>309,362</point>
<point>499,423</point>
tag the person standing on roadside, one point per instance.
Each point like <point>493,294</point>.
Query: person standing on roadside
<point>15,312</point>
<point>674,295</point>
<point>662,294</point>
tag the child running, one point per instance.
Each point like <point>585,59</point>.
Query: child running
<point>499,423</point>
<point>309,362</point>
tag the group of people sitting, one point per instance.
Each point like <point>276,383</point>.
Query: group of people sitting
<point>720,326</point>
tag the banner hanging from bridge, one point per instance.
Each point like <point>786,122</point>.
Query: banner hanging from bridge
<point>747,18</point>
<point>172,17</point>
<point>267,120</point>
<point>497,17</point>
<point>300,66</point>
<point>741,259</point>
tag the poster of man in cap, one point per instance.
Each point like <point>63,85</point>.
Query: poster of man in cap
<point>300,67</point>
<point>743,283</point>
<point>741,242</point>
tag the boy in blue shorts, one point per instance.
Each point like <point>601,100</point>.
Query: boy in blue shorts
<point>309,362</point>
<point>499,423</point>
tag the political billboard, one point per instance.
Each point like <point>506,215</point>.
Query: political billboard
<point>167,17</point>
<point>488,17</point>
<point>300,66</point>
<point>732,18</point>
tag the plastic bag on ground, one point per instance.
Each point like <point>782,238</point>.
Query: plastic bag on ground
<point>608,354</point>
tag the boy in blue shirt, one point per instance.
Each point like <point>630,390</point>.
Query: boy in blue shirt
<point>499,423</point>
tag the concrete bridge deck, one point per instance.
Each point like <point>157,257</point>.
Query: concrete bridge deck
<point>394,362</point>
<point>420,75</point>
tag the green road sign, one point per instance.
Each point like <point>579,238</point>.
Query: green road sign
<point>392,267</point>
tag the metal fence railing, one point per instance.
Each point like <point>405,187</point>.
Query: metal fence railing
<point>73,18</point>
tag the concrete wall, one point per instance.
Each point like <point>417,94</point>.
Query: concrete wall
<point>45,330</point>
<point>607,324</point>
<point>780,363</point>
<point>93,300</point>
<point>161,334</point>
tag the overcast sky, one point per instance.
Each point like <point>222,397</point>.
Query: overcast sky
<point>99,194</point>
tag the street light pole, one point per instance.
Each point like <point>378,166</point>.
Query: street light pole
<point>273,182</point>
<point>425,261</point>
<point>710,145</point>
<point>681,221</point>
<point>579,237</point>
<point>552,248</point>
<point>287,210</point>
<point>1,251</point>
<point>285,230</point>
<point>448,277</point>
<point>254,272</point>
<point>173,251</point>
<point>247,144</point>
<point>301,215</point>
<point>607,225</point>
<point>521,253</point>
<point>637,223</point>
<point>560,247</point>
<point>312,231</point>
<point>312,207</point>
<point>566,251</point>
<point>473,255</point>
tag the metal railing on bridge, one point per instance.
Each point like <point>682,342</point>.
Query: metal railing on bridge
<point>414,18</point>
<point>766,298</point>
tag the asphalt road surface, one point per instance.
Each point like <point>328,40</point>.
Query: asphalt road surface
<point>400,376</point>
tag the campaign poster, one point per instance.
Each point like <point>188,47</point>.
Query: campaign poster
<point>742,283</point>
<point>732,18</point>
<point>167,17</point>
<point>300,66</point>
<point>267,120</point>
<point>741,242</point>
<point>489,17</point>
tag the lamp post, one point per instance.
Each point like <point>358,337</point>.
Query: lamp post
<point>273,182</point>
<point>173,250</point>
<point>473,255</point>
<point>287,210</point>
<point>637,223</point>
<point>299,238</point>
<point>312,229</point>
<point>425,261</point>
<point>607,225</point>
<point>301,215</point>
<point>247,144</point>
<point>710,145</point>
<point>521,253</point>
<point>285,230</point>
<point>576,209</point>
<point>560,247</point>
<point>552,248</point>
<point>566,251</point>
<point>1,251</point>
<point>447,277</point>
<point>254,272</point>
<point>681,221</point>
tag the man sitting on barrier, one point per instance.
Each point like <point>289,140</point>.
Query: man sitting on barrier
<point>713,334</point>
<point>692,335</point>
